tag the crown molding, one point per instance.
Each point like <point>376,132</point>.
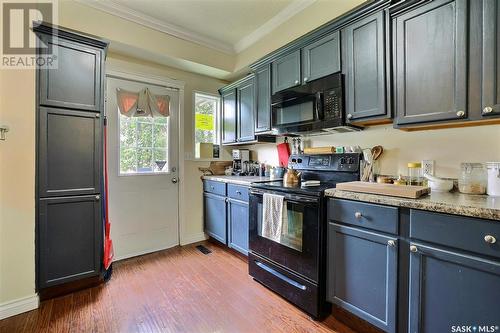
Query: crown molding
<point>115,8</point>
<point>284,15</point>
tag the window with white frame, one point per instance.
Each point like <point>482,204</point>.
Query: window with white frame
<point>143,144</point>
<point>206,125</point>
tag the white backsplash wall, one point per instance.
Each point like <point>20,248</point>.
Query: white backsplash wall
<point>447,147</point>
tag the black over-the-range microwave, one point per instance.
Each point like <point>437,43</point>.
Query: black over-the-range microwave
<point>316,107</point>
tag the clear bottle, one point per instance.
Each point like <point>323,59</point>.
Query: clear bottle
<point>473,178</point>
<point>415,176</point>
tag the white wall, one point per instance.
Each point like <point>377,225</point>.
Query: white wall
<point>448,147</point>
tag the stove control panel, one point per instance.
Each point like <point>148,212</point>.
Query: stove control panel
<point>347,162</point>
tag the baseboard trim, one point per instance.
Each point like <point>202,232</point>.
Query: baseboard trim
<point>140,253</point>
<point>194,238</point>
<point>18,306</point>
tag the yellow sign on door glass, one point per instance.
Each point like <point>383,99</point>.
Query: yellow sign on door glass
<point>204,122</point>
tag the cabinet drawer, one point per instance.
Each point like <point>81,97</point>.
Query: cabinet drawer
<point>370,216</point>
<point>237,192</point>
<point>460,232</point>
<point>215,187</point>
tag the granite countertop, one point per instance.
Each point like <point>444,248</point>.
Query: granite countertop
<point>481,206</point>
<point>239,180</point>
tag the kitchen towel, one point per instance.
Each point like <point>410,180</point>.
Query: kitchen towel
<point>283,153</point>
<point>274,216</point>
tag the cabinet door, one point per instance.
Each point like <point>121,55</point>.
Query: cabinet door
<point>76,82</point>
<point>263,89</point>
<point>431,62</point>
<point>238,225</point>
<point>451,289</point>
<point>321,57</point>
<point>364,67</point>
<point>491,61</point>
<point>286,71</point>
<point>246,109</point>
<point>229,116</point>
<point>70,158</point>
<point>69,239</point>
<point>215,216</point>
<point>362,274</point>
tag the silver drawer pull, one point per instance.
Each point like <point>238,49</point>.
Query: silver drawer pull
<point>391,242</point>
<point>490,239</point>
<point>488,109</point>
<point>413,248</point>
<point>211,187</point>
<point>358,215</point>
<point>460,113</point>
<point>238,192</point>
<point>97,197</point>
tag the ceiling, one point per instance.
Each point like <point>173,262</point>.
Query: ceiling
<point>227,25</point>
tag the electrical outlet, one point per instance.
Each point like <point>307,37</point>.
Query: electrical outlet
<point>428,167</point>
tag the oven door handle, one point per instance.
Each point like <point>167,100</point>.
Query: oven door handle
<point>280,276</point>
<point>299,200</point>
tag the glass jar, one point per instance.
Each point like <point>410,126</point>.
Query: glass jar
<point>415,176</point>
<point>473,178</point>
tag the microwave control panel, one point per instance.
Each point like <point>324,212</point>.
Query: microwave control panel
<point>333,103</point>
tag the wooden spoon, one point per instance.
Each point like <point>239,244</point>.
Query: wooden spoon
<point>377,151</point>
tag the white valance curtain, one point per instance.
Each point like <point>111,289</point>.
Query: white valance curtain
<point>142,103</point>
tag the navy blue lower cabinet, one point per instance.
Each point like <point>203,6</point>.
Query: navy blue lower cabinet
<point>450,291</point>
<point>362,274</point>
<point>214,207</point>
<point>238,225</point>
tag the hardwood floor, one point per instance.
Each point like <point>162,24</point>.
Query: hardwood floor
<point>177,290</point>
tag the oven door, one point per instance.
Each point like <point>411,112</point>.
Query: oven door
<point>299,244</point>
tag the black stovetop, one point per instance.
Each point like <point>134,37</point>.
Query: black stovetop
<point>298,189</point>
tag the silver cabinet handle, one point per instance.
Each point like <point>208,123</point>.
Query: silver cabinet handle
<point>238,192</point>
<point>97,197</point>
<point>413,248</point>
<point>211,187</point>
<point>98,115</point>
<point>296,81</point>
<point>305,79</point>
<point>358,215</point>
<point>487,109</point>
<point>391,242</point>
<point>490,239</point>
<point>460,113</point>
<point>349,116</point>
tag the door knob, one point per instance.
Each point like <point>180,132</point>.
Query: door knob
<point>460,113</point>
<point>487,109</point>
<point>175,180</point>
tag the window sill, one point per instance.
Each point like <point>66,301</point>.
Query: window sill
<point>164,173</point>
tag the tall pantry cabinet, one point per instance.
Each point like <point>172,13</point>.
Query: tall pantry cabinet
<point>69,185</point>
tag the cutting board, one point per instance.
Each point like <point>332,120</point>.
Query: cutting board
<point>402,191</point>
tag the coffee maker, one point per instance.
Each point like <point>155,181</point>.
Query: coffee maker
<point>241,161</point>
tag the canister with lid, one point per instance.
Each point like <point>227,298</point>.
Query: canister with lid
<point>415,176</point>
<point>493,170</point>
<point>472,178</point>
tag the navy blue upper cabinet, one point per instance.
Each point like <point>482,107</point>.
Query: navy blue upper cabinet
<point>430,62</point>
<point>214,208</point>
<point>286,71</point>
<point>246,108</point>
<point>321,57</point>
<point>451,289</point>
<point>362,274</point>
<point>491,58</point>
<point>229,116</point>
<point>364,68</point>
<point>263,91</point>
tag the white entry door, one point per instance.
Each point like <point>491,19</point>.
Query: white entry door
<point>143,193</point>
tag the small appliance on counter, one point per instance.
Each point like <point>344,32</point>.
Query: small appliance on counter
<point>493,170</point>
<point>241,162</point>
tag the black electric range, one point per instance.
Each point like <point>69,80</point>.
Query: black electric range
<point>294,265</point>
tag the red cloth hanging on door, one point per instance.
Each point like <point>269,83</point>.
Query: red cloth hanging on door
<point>283,153</point>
